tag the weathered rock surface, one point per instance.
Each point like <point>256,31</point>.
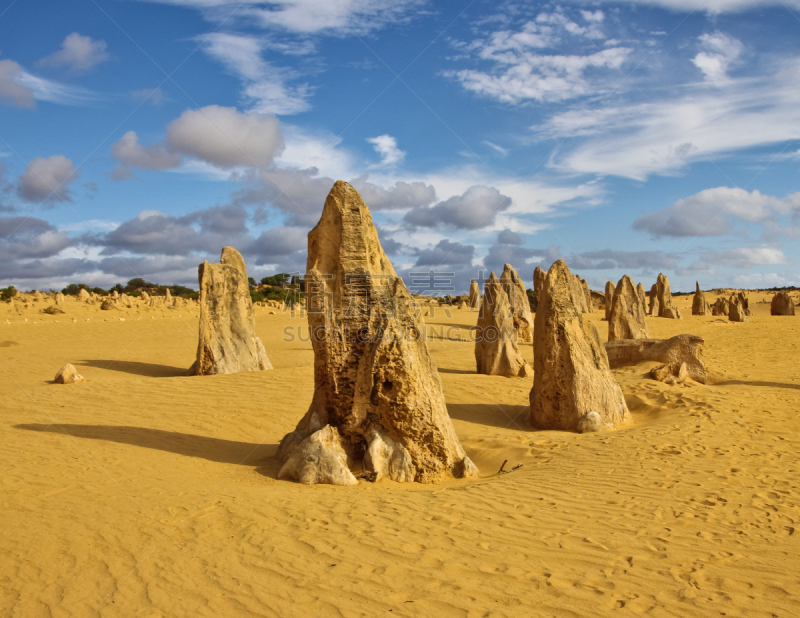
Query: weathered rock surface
<point>592,422</point>
<point>782,304</point>
<point>653,306</point>
<point>375,380</point>
<point>571,372</point>
<point>721,307</point>
<point>463,306</point>
<point>670,374</point>
<point>168,297</point>
<point>609,297</point>
<point>387,458</point>
<point>518,303</point>
<point>699,304</point>
<point>538,279</point>
<point>83,295</point>
<point>59,299</point>
<point>68,375</point>
<point>227,342</point>
<point>474,295</point>
<point>577,294</point>
<point>744,301</point>
<point>587,294</point>
<point>736,310</point>
<point>665,306</point>
<point>319,459</point>
<point>496,351</point>
<point>627,319</point>
<point>642,295</point>
<point>674,351</point>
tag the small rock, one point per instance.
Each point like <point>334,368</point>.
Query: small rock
<point>592,422</point>
<point>68,375</point>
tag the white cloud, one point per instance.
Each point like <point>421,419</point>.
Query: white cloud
<point>496,148</point>
<point>519,77</point>
<point>318,149</point>
<point>714,6</point>
<point>55,92</point>
<point>719,51</point>
<point>476,208</point>
<point>47,179</point>
<point>745,257</point>
<point>131,153</point>
<point>266,88</point>
<point>78,53</point>
<point>225,137</point>
<point>11,91</point>
<point>386,147</point>
<point>332,17</point>
<point>709,212</point>
<point>756,281</point>
<point>217,137</point>
<point>154,96</point>
<point>663,136</point>
<point>596,16</point>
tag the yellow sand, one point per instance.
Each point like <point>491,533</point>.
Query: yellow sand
<point>148,493</point>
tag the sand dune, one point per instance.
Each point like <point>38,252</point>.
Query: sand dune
<point>144,492</point>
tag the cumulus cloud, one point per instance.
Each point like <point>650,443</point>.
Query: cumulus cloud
<point>28,238</point>
<point>225,137</point>
<point>386,147</point>
<point>131,153</point>
<point>219,136</point>
<point>267,89</point>
<point>445,252</point>
<point>11,91</point>
<point>158,233</point>
<point>78,53</point>
<point>508,250</point>
<point>719,51</point>
<point>399,196</point>
<point>47,179</point>
<point>280,245</point>
<point>477,207</point>
<point>709,212</point>
<point>228,219</point>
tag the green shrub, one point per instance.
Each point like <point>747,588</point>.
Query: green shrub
<point>73,289</point>
<point>276,280</point>
<point>7,293</point>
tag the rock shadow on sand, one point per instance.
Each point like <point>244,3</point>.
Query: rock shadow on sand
<point>259,456</point>
<point>756,383</point>
<point>150,370</point>
<point>492,415</point>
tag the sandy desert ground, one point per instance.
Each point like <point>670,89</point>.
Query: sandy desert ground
<point>144,492</point>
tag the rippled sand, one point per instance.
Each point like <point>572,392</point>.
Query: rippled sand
<point>144,492</point>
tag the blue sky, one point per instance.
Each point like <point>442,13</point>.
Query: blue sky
<point>137,138</point>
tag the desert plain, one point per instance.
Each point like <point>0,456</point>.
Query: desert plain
<point>147,492</point>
